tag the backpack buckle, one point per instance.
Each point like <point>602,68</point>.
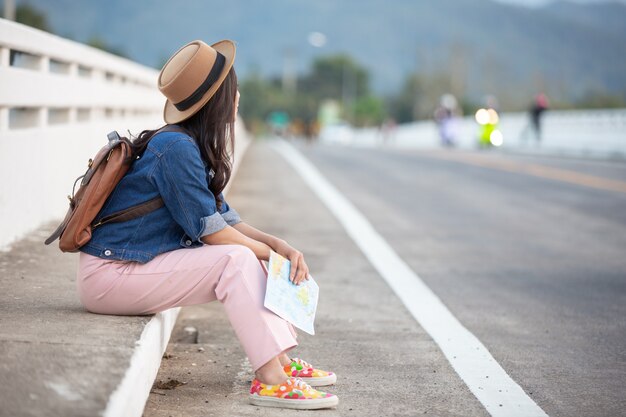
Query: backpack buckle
<point>113,137</point>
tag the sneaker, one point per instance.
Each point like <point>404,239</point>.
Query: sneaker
<point>305,371</point>
<point>293,393</point>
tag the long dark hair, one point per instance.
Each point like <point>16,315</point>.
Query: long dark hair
<point>213,129</point>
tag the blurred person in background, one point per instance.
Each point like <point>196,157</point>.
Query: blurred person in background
<point>446,116</point>
<point>540,105</point>
<point>195,248</point>
<point>388,130</point>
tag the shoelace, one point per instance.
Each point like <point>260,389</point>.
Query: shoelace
<point>298,383</point>
<point>303,363</point>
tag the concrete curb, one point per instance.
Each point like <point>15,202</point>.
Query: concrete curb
<point>129,398</point>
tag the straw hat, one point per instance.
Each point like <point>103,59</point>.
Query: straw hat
<point>192,75</point>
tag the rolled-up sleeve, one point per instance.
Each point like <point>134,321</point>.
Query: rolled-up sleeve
<point>181,181</point>
<point>229,214</point>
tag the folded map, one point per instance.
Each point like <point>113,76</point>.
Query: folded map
<point>295,303</point>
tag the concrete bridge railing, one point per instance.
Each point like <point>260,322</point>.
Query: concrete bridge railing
<point>58,100</point>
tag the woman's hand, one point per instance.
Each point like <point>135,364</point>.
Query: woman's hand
<point>299,269</point>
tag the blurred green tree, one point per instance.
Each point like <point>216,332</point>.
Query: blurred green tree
<point>601,100</point>
<point>335,77</point>
<point>369,111</point>
<point>98,42</point>
<point>29,15</point>
<point>403,106</point>
<point>419,96</point>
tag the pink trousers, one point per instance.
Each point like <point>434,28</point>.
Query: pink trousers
<point>229,273</point>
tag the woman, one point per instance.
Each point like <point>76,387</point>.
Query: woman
<point>196,249</point>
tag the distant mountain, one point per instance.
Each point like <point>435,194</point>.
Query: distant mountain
<point>604,17</point>
<point>567,49</point>
<point>541,3</point>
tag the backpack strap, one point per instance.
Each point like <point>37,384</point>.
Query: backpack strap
<point>131,212</point>
<point>143,208</point>
<point>173,128</point>
<point>59,231</point>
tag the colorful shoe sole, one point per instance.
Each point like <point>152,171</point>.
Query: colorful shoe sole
<point>304,404</point>
<point>320,381</point>
<point>293,393</point>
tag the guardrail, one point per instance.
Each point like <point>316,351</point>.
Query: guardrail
<point>58,100</point>
<point>586,133</point>
<point>47,80</point>
<point>581,133</point>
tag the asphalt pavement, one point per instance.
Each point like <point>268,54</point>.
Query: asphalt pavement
<point>527,252</point>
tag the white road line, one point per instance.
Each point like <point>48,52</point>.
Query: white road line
<point>492,386</point>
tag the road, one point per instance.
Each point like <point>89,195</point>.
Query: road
<point>528,253</point>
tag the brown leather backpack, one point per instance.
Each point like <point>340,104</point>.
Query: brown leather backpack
<point>104,171</point>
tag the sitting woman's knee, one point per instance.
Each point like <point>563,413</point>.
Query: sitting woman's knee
<point>241,252</point>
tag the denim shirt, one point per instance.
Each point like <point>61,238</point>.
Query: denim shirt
<point>170,167</point>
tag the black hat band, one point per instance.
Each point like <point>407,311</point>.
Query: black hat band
<point>214,74</point>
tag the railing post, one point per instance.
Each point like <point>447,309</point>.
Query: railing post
<point>73,115</point>
<point>42,117</point>
<point>4,118</point>
<point>73,71</point>
<point>5,57</point>
<point>97,113</point>
<point>5,61</point>
<point>97,74</point>
<point>44,64</point>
